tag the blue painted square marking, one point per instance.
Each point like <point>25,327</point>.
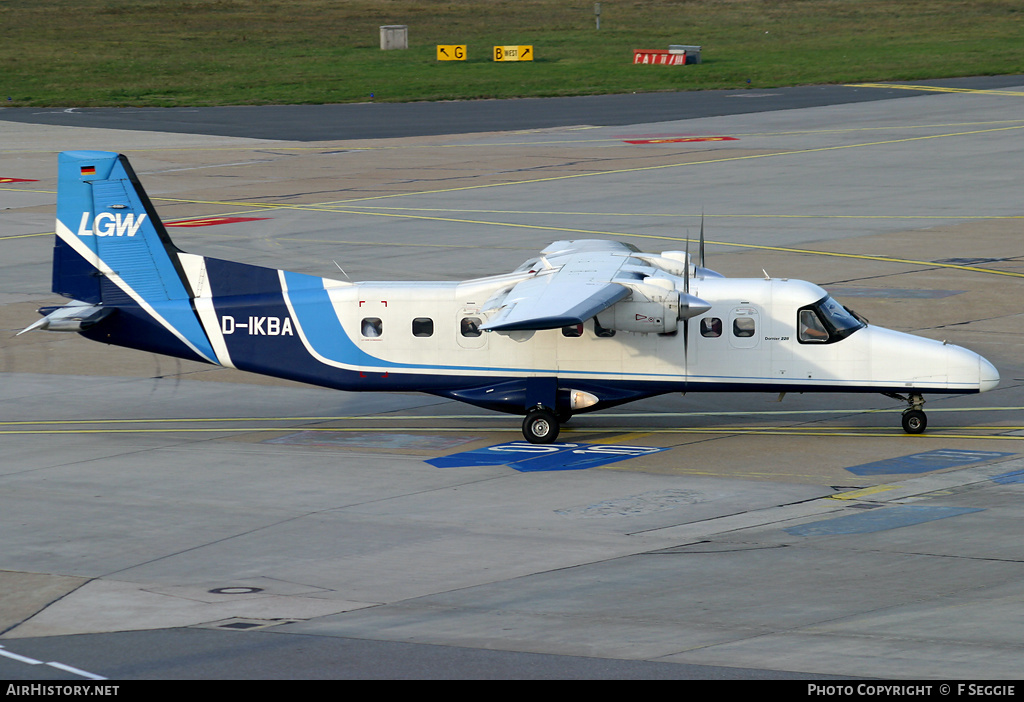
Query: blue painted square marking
<point>526,457</point>
<point>1016,476</point>
<point>924,462</point>
<point>878,520</point>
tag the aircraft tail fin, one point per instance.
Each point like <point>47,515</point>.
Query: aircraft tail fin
<point>112,249</point>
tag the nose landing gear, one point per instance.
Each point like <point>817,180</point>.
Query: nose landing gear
<point>915,421</point>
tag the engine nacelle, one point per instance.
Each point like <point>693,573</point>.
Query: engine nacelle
<point>659,315</point>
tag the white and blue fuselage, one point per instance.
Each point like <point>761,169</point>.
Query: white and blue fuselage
<point>586,325</point>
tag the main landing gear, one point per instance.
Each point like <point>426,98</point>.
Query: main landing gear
<point>914,419</point>
<point>541,425</point>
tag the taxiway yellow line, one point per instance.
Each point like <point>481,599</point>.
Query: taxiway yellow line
<point>661,237</point>
<point>674,215</point>
<point>866,432</point>
<point>936,89</point>
<point>592,232</point>
<point>860,494</point>
<point>637,169</point>
<point>503,417</point>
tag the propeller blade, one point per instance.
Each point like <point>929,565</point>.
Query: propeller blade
<point>686,274</point>
<point>686,319</point>
<point>701,252</point>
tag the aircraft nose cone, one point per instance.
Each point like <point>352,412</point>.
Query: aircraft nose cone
<point>987,374</point>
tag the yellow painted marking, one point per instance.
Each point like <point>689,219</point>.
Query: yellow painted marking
<point>639,169</point>
<point>24,236</point>
<point>876,433</point>
<point>621,438</point>
<point>936,89</point>
<point>676,215</point>
<point>434,417</point>
<point>858,494</point>
<point>337,209</point>
<point>761,247</point>
<point>571,230</point>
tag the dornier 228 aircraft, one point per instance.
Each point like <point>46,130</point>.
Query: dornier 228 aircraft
<point>584,326</point>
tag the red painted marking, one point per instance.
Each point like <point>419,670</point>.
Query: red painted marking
<point>18,180</point>
<point>213,221</point>
<point>661,58</point>
<point>678,140</point>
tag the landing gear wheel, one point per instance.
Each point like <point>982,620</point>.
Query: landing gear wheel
<point>914,421</point>
<point>540,426</point>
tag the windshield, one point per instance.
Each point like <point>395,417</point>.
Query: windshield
<point>826,322</point>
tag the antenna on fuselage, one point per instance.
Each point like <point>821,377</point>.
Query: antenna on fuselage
<point>342,270</point>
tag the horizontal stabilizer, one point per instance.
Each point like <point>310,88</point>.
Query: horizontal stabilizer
<point>76,316</point>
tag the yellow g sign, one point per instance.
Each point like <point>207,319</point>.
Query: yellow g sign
<point>451,52</point>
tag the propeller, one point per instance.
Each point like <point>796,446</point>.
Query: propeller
<point>690,305</point>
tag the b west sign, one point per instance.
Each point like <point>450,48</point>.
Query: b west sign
<point>513,53</point>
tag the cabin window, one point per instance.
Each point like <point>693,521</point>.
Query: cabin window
<point>602,332</point>
<point>711,327</point>
<point>423,326</point>
<point>573,330</point>
<point>743,327</point>
<point>372,327</point>
<point>470,326</point>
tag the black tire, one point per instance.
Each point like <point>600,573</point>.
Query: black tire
<point>540,427</point>
<point>914,421</point>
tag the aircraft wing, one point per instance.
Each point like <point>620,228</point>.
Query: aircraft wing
<point>570,286</point>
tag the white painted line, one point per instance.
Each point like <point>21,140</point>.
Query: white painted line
<point>52,664</point>
<point>22,659</point>
<point>75,671</point>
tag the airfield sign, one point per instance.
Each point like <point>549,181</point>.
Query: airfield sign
<point>513,53</point>
<point>451,52</point>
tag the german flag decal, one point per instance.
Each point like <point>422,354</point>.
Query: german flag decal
<point>88,170</point>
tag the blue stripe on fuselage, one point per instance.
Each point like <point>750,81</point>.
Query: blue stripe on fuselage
<point>321,326</point>
<point>257,326</point>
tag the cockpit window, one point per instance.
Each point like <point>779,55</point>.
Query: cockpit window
<point>812,329</point>
<point>826,322</point>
